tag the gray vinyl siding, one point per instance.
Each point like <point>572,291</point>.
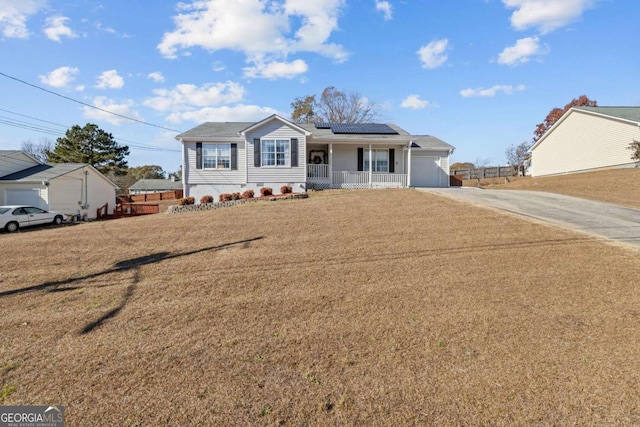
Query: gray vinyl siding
<point>275,129</point>
<point>345,157</point>
<point>584,142</point>
<point>215,176</point>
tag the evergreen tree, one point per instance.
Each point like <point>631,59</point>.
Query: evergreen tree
<point>91,145</point>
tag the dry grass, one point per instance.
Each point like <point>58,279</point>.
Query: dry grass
<point>347,308</point>
<point>620,186</point>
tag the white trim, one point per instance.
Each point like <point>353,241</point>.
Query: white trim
<point>276,165</point>
<point>217,144</point>
<point>274,117</point>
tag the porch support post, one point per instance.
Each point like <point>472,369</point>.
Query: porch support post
<point>331,165</point>
<point>409,165</point>
<point>370,167</point>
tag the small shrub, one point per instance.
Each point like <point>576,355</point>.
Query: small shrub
<point>187,201</point>
<point>286,189</point>
<point>225,197</point>
<point>236,196</point>
<point>248,194</point>
<point>266,191</point>
<point>206,199</point>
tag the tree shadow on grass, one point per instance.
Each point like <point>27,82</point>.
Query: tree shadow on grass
<point>120,266</point>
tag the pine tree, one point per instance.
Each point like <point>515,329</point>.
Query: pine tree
<point>91,145</point>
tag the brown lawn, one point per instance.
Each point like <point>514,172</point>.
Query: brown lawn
<point>348,308</point>
<point>620,186</point>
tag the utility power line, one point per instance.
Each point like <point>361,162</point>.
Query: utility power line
<point>88,105</point>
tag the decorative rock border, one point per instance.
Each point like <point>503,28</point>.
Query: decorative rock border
<point>178,209</point>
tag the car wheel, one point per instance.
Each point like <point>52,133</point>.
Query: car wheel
<point>57,220</point>
<point>12,227</point>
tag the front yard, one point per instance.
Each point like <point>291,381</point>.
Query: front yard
<point>375,307</point>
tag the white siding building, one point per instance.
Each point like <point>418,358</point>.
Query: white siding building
<point>587,139</point>
<point>70,188</point>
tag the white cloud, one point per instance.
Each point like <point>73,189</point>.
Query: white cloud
<point>276,70</point>
<point>14,15</point>
<point>56,28</point>
<point>385,8</point>
<point>236,113</point>
<point>414,102</point>
<point>156,76</point>
<point>546,15</point>
<point>186,97</point>
<point>110,80</point>
<point>433,54</point>
<point>521,52</point>
<point>124,108</point>
<point>492,91</point>
<point>262,30</point>
<point>218,66</point>
<point>60,77</point>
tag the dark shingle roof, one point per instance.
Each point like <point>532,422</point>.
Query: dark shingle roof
<point>43,172</point>
<point>626,113</point>
<point>216,129</point>
<point>428,141</point>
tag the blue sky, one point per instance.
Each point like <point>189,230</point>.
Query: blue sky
<point>478,74</point>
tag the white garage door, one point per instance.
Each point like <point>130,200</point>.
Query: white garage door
<point>22,197</point>
<point>425,171</point>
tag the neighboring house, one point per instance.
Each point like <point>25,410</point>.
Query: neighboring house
<point>147,186</point>
<point>233,157</point>
<point>586,139</point>
<point>70,188</point>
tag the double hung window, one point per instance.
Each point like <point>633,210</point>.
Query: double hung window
<point>216,156</point>
<point>276,152</point>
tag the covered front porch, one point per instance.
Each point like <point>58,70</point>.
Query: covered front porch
<point>353,167</point>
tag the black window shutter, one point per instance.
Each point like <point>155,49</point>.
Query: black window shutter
<point>234,157</point>
<point>294,152</point>
<point>360,159</point>
<point>392,160</point>
<point>256,152</point>
<point>198,155</point>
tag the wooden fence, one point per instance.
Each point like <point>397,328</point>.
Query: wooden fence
<point>479,173</point>
<point>148,197</point>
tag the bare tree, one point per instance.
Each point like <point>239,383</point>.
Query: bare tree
<point>335,106</point>
<point>37,150</point>
<point>517,156</point>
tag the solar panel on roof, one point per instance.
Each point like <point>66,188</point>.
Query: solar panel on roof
<point>362,128</point>
<point>323,125</point>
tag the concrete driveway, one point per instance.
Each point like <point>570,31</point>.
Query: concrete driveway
<point>613,222</point>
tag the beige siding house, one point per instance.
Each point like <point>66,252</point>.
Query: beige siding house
<point>238,156</point>
<point>587,139</point>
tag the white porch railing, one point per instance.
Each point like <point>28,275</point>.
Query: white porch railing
<point>318,177</point>
<point>317,171</point>
<point>348,179</point>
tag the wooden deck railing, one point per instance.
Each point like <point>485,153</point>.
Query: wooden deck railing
<point>134,209</point>
<point>102,211</point>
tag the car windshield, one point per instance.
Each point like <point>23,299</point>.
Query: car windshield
<point>4,210</point>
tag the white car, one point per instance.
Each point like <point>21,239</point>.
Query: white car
<point>12,218</point>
